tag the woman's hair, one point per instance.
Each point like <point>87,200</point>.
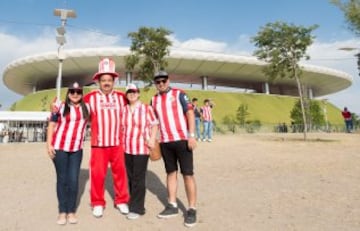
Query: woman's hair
<point>84,109</point>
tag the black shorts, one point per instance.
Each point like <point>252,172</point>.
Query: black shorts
<point>177,152</point>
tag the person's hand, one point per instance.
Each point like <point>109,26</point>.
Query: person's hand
<point>151,143</point>
<point>191,143</point>
<point>51,151</point>
<point>55,106</point>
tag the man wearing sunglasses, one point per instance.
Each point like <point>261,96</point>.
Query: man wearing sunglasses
<point>177,141</point>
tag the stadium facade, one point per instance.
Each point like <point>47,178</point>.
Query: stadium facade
<point>39,72</point>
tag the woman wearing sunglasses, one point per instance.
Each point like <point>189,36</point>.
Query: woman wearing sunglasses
<point>65,136</point>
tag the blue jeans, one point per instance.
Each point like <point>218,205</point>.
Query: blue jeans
<point>67,166</point>
<point>207,130</point>
<point>349,125</point>
<point>197,127</point>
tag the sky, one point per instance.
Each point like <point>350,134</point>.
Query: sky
<point>27,27</point>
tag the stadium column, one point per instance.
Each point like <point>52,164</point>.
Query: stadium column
<point>204,82</point>
<point>310,93</point>
<point>128,77</point>
<point>266,88</point>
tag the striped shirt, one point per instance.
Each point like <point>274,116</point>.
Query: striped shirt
<point>69,130</point>
<point>137,123</point>
<point>206,113</point>
<point>170,108</point>
<point>105,114</point>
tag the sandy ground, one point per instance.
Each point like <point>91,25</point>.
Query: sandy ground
<point>245,182</point>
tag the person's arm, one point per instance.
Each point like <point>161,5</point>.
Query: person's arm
<point>190,117</point>
<point>49,137</point>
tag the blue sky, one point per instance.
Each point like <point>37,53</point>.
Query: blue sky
<point>211,25</point>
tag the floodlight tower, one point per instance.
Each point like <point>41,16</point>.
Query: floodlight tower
<point>60,39</point>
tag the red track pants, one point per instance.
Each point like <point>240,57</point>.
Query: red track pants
<point>99,161</point>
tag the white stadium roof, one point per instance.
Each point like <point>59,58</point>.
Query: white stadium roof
<point>39,72</point>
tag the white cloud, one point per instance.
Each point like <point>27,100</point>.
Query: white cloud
<point>199,44</point>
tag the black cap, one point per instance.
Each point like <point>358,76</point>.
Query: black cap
<point>74,85</point>
<point>161,74</point>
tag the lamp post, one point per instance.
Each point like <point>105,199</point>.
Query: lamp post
<point>60,39</point>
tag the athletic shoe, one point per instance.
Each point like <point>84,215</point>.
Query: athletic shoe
<point>98,211</point>
<point>209,140</point>
<point>169,211</point>
<point>190,218</point>
<point>123,208</point>
<point>133,216</point>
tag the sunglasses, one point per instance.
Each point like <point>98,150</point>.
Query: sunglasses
<point>132,91</point>
<point>73,91</point>
<point>160,81</point>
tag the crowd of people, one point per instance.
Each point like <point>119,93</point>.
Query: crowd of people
<point>123,132</point>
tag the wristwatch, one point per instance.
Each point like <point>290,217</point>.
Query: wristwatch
<point>192,135</point>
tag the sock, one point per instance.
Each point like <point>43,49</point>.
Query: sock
<point>173,204</point>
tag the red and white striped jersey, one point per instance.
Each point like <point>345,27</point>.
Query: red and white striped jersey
<point>206,113</point>
<point>170,108</point>
<point>105,115</point>
<point>136,125</point>
<point>69,130</point>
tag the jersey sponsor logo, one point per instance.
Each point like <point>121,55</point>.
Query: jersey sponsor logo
<point>108,105</point>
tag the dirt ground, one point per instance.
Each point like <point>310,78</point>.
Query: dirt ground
<point>245,182</point>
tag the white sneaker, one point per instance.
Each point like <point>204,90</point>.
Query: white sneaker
<point>98,211</point>
<point>209,140</point>
<point>133,216</point>
<point>123,208</point>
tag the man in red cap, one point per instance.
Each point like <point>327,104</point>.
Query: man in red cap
<point>106,141</point>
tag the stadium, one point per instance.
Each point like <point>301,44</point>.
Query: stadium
<point>38,72</point>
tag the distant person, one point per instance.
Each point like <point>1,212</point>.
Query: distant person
<point>139,125</point>
<point>65,136</point>
<point>177,124</point>
<point>206,114</point>
<point>347,119</point>
<point>197,118</point>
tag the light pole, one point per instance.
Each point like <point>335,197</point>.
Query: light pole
<point>60,39</point>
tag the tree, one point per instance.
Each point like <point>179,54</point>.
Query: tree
<point>282,46</point>
<point>241,114</point>
<point>149,47</point>
<point>315,114</point>
<point>351,10</point>
<point>230,122</point>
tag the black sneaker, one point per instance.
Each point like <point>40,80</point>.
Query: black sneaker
<point>169,211</point>
<point>190,218</point>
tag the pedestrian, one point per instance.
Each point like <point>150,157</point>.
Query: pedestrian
<point>197,118</point>
<point>347,119</point>
<point>177,141</point>
<point>140,127</point>
<point>206,114</point>
<point>106,106</point>
<point>65,136</point>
